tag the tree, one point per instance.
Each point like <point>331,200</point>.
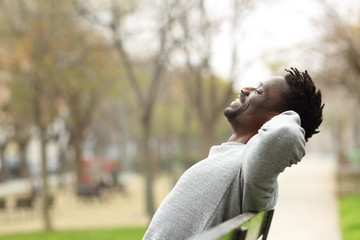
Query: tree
<point>16,109</point>
<point>166,14</point>
<point>82,88</point>
<point>31,65</point>
<point>341,59</point>
<point>207,93</point>
<point>53,62</point>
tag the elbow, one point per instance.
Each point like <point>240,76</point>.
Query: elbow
<point>257,201</point>
<point>294,138</point>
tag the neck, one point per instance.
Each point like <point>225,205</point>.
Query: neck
<point>241,138</point>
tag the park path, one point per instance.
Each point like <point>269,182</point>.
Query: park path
<point>307,207</point>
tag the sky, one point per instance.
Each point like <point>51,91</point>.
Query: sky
<point>268,30</point>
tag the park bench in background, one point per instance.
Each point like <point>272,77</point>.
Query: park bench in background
<point>88,192</point>
<point>247,226</point>
<point>2,204</point>
<point>24,202</point>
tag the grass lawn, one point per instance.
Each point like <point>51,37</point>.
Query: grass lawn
<point>130,233</point>
<point>350,217</point>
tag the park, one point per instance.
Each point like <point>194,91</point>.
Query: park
<point>105,104</point>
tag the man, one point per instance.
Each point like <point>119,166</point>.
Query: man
<point>271,124</point>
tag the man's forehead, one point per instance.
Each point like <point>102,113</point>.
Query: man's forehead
<point>269,80</point>
<point>275,81</point>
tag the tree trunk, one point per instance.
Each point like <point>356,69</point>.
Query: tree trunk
<point>62,166</point>
<point>147,159</point>
<point>3,173</point>
<point>24,168</point>
<point>186,149</point>
<point>356,125</point>
<point>78,161</point>
<point>45,187</point>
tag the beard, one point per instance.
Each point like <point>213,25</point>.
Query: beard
<point>231,113</point>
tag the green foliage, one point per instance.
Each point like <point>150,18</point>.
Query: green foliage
<point>349,213</point>
<point>353,155</point>
<point>128,233</point>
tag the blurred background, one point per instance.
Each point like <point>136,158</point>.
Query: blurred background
<point>104,104</point>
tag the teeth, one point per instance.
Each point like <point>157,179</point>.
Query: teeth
<point>238,100</point>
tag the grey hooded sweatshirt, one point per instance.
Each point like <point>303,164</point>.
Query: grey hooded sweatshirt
<point>234,178</point>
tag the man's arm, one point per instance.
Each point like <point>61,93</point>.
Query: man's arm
<point>279,143</point>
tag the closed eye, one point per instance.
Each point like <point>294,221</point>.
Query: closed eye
<point>258,90</point>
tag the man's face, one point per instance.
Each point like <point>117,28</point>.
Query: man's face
<point>255,106</point>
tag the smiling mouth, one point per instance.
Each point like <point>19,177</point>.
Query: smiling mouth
<point>236,103</point>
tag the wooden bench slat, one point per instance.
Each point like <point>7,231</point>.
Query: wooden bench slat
<point>247,226</point>
<point>254,226</point>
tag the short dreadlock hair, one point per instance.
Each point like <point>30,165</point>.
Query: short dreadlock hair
<point>304,99</point>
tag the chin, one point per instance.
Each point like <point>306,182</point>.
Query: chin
<point>230,113</point>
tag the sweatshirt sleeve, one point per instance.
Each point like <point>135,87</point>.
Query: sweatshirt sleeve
<point>279,143</point>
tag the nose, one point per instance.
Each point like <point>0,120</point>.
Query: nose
<point>247,90</point>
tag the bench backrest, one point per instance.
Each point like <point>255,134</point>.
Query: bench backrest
<point>247,226</point>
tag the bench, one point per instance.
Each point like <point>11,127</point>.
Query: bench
<point>2,204</point>
<point>24,202</point>
<point>247,226</point>
<point>88,192</point>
